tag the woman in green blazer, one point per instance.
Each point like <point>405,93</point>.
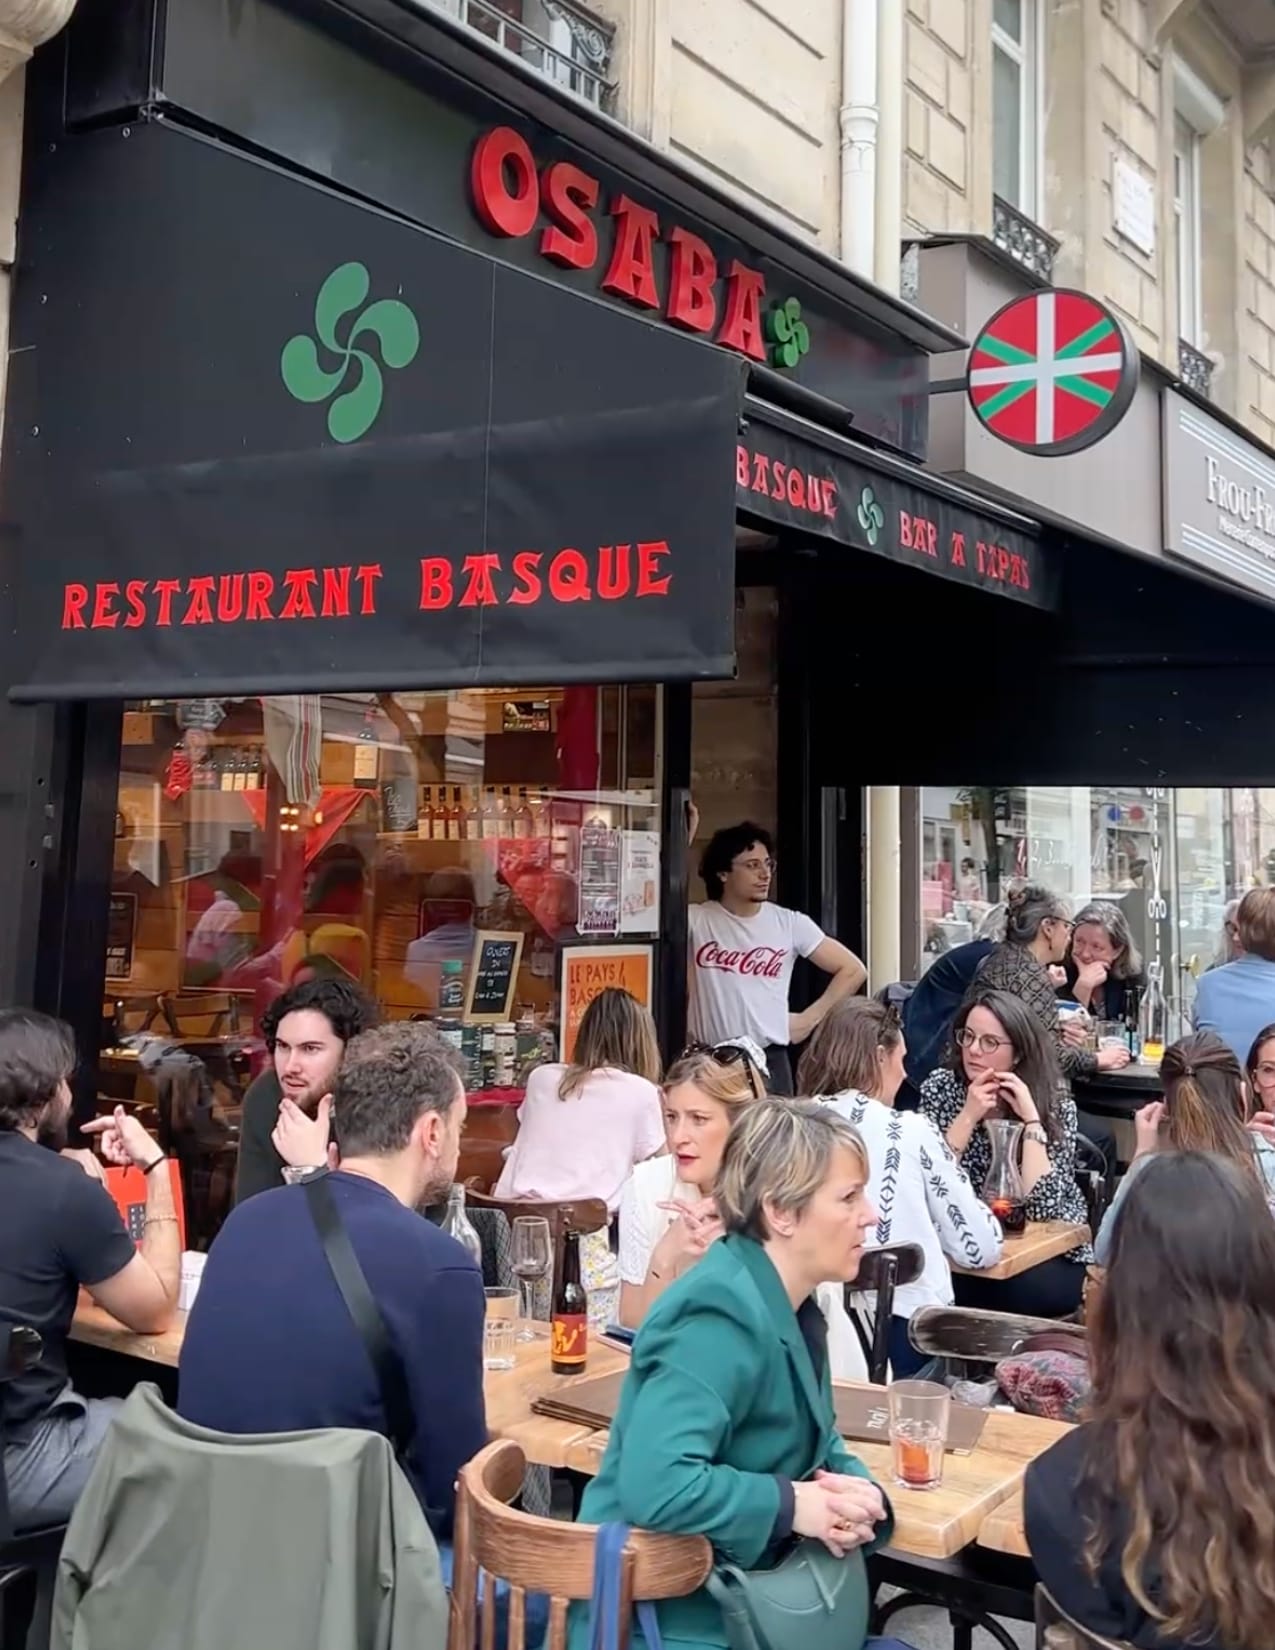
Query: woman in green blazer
<point>725,1426</point>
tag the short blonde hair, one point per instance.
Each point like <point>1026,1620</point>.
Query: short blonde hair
<point>779,1152</point>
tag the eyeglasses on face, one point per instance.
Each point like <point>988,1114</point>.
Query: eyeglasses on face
<point>1265,1073</point>
<point>983,1042</point>
<point>729,1054</point>
<point>1067,923</point>
<point>756,866</point>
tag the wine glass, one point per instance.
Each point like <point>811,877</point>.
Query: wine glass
<point>532,1258</point>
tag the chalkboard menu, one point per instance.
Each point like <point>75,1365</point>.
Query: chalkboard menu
<point>121,929</point>
<point>493,974</point>
<point>398,804</point>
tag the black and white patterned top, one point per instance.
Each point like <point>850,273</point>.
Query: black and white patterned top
<point>922,1196</point>
<point>1056,1195</point>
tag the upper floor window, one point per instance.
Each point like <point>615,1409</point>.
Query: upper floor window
<point>1016,118</point>
<point>1197,114</point>
<point>1186,227</point>
<point>558,39</point>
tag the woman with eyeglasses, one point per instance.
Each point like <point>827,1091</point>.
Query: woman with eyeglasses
<point>1261,1076</point>
<point>1002,1065</point>
<point>1038,930</point>
<point>854,1065</point>
<point>668,1211</point>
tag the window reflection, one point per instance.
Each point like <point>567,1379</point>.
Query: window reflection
<point>260,842</point>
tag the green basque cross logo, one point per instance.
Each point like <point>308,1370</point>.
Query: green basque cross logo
<point>871,515</point>
<point>787,334</point>
<point>388,321</point>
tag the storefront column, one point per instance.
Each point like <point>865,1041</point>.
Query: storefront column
<point>883,885</point>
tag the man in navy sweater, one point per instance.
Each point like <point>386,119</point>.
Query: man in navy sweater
<point>270,1345</point>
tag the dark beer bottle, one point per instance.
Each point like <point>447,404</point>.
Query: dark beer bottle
<point>569,1346</point>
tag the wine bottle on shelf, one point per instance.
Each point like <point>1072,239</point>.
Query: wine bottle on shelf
<point>240,782</point>
<point>490,815</point>
<point>524,820</point>
<point>454,824</point>
<point>256,763</point>
<point>438,819</point>
<point>569,1328</point>
<point>471,825</point>
<point>425,814</point>
<point>225,768</point>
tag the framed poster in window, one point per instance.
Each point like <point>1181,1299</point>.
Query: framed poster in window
<point>587,971</point>
<point>493,976</point>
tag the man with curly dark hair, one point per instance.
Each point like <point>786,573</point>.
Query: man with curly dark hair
<point>306,1030</point>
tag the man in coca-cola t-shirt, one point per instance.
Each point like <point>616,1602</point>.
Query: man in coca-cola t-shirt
<point>742,951</point>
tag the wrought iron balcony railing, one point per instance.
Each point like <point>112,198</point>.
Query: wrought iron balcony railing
<point>1194,368</point>
<point>559,40</point>
<point>1025,241</point>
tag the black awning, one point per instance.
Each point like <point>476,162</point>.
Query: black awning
<point>790,472</point>
<point>275,440</point>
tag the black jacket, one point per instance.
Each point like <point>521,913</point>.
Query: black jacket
<point>930,1010</point>
<point>260,1166</point>
<point>1055,1529</point>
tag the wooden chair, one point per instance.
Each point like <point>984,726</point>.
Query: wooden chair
<point>977,1336</point>
<point>495,1541</point>
<point>1055,1629</point>
<point>201,1013</point>
<point>129,1014</point>
<point>882,1271</point>
<point>582,1215</point>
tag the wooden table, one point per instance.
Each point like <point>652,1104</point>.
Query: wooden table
<point>1041,1241</point>
<point>927,1523</point>
<point>1003,1529</point>
<point>509,1393</point>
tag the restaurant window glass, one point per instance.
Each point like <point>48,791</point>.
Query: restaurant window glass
<point>446,850</point>
<point>734,727</point>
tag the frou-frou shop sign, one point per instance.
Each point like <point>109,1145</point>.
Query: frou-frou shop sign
<point>1246,501</point>
<point>1219,498</point>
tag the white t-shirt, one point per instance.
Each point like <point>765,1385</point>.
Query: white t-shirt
<point>584,1146</point>
<point>739,969</point>
<point>643,1223</point>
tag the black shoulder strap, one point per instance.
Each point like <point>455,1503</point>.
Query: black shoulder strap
<point>363,1309</point>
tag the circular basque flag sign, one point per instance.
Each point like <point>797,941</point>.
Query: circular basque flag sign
<point>1052,373</point>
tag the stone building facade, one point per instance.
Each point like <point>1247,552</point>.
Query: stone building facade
<point>1116,145</point>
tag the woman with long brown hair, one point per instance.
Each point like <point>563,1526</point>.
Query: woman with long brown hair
<point>1001,1065</point>
<point>583,1126</point>
<point>1206,1108</point>
<point>1154,1522</point>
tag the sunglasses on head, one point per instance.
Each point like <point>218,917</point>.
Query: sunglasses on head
<point>729,1054</point>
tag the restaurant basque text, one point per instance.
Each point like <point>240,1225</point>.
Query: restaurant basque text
<point>486,579</point>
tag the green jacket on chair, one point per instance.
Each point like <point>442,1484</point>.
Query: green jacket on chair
<point>722,1402</point>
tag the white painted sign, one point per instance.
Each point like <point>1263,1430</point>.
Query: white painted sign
<point>1133,205</point>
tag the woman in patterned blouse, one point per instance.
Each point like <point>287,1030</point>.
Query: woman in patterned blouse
<point>1002,1065</point>
<point>854,1064</point>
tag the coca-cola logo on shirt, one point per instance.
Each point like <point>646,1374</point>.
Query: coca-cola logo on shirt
<point>763,962</point>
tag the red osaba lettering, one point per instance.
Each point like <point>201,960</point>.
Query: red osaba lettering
<point>221,599</point>
<point>610,573</point>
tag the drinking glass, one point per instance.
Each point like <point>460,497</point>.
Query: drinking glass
<point>919,1413</point>
<point>532,1258</point>
<point>1112,1034</point>
<point>500,1328</point>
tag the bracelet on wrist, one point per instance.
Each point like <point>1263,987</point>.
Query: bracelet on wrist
<point>154,1164</point>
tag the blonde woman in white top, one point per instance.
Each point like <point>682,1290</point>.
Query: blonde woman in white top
<point>668,1217</point>
<point>854,1063</point>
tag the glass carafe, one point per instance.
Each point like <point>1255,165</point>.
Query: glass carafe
<point>1003,1189</point>
<point>456,1223</point>
<point>1153,1016</point>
